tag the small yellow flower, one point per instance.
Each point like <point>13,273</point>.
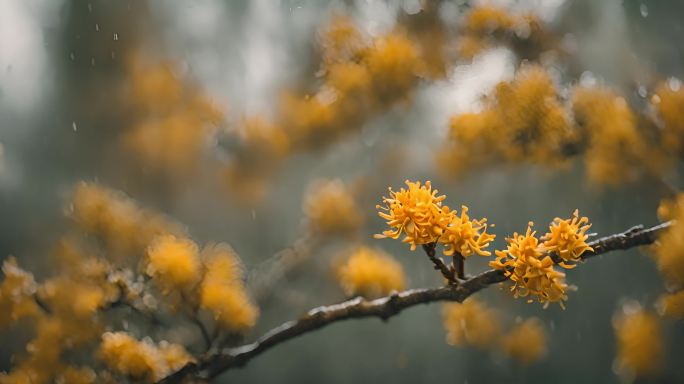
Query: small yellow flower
<point>128,356</point>
<point>222,291</point>
<point>471,322</point>
<point>466,236</point>
<point>173,263</point>
<point>568,239</point>
<point>16,293</point>
<point>672,305</point>
<point>530,270</point>
<point>416,212</point>
<point>330,208</point>
<point>370,273</point>
<point>669,250</point>
<point>526,342</point>
<point>639,342</point>
<point>175,355</point>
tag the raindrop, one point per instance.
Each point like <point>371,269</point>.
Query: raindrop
<point>587,79</point>
<point>642,91</point>
<point>253,214</point>
<point>73,126</point>
<point>90,7</point>
<point>674,83</point>
<point>643,9</point>
<point>72,56</point>
<point>92,61</point>
<point>97,27</point>
<point>116,36</point>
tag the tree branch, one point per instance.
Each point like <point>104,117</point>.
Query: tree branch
<point>215,363</point>
<point>430,251</point>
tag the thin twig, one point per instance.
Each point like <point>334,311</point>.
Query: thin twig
<point>439,263</point>
<point>384,308</point>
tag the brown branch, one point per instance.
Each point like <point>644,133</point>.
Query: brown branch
<point>430,251</point>
<point>384,308</point>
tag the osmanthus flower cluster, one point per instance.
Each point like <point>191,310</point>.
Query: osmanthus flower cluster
<point>486,26</point>
<point>174,120</point>
<point>330,209</point>
<point>522,120</point>
<point>669,256</point>
<point>474,323</point>
<point>419,215</point>
<point>79,308</point>
<point>118,222</point>
<point>528,261</point>
<point>640,348</point>
<point>370,273</point>
<point>141,360</point>
<point>360,75</point>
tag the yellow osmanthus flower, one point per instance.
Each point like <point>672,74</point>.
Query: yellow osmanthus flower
<point>173,263</point>
<point>77,297</point>
<point>330,208</point>
<point>222,291</point>
<point>392,63</point>
<point>175,119</point>
<point>669,103</point>
<point>487,26</point>
<point>523,120</point>
<point>175,355</point>
<point>672,305</point>
<point>418,213</point>
<point>139,359</point>
<point>122,225</point>
<point>16,293</point>
<point>568,239</point>
<point>640,348</point>
<point>371,273</point>
<point>669,250</point>
<point>471,322</point>
<point>415,212</point>
<point>617,150</point>
<point>531,271</point>
<point>76,375</point>
<point>465,236</point>
<point>526,341</point>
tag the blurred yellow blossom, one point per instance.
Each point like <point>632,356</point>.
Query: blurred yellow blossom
<point>672,305</point>
<point>174,355</point>
<point>16,293</point>
<point>370,273</point>
<point>526,341</point>
<point>568,239</point>
<point>471,322</point>
<point>330,208</point>
<point>222,291</point>
<point>487,26</point>
<point>617,151</point>
<point>174,119</point>
<point>669,250</point>
<point>523,120</point>
<point>640,348</point>
<point>130,357</point>
<point>669,102</point>
<point>77,375</point>
<point>122,225</point>
<point>173,263</point>
<point>530,269</point>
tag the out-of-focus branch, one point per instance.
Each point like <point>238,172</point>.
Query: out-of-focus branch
<point>215,363</point>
